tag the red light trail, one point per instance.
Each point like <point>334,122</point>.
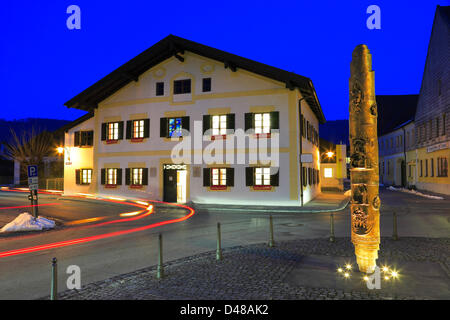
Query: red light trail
<point>148,211</point>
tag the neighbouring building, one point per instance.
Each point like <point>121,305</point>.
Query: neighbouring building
<point>179,92</point>
<point>333,166</point>
<point>432,116</point>
<point>395,138</point>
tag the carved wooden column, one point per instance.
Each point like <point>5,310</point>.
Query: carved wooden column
<point>365,202</point>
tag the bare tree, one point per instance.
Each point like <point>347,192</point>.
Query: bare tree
<point>29,148</point>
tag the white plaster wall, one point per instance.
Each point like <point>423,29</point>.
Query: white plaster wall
<point>137,98</point>
<point>79,157</point>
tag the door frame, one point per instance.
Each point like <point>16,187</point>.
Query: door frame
<point>168,161</point>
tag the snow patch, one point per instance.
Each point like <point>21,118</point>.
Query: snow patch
<point>26,222</point>
<point>415,192</point>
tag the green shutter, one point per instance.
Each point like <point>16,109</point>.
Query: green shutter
<point>104,128</point>
<point>78,176</point>
<point>274,178</point>
<point>163,130</point>
<point>206,177</point>
<point>231,122</point>
<point>206,122</point>
<point>275,120</point>
<point>146,128</point>
<point>120,130</point>
<point>230,177</point>
<point>103,176</point>
<point>77,139</point>
<point>119,176</point>
<point>127,176</point>
<point>249,124</point>
<point>185,123</point>
<point>249,176</point>
<point>145,176</point>
<point>129,129</point>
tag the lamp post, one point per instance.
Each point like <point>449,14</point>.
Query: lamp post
<point>61,150</point>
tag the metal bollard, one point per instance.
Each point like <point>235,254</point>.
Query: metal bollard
<point>160,271</point>
<point>54,284</point>
<point>331,227</point>
<point>271,241</point>
<point>219,245</point>
<point>394,231</point>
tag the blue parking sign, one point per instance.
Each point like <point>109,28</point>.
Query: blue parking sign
<point>32,171</point>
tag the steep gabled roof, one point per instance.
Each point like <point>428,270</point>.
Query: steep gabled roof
<point>172,46</point>
<point>394,110</point>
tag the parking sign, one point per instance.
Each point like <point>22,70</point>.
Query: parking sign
<point>32,171</point>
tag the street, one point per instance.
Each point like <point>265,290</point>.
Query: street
<point>27,275</point>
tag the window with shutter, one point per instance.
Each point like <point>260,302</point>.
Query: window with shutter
<point>86,176</point>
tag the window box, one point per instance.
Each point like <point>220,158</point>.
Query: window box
<point>219,137</point>
<point>262,135</point>
<point>262,188</point>
<point>137,139</point>
<point>136,186</point>
<point>110,186</point>
<point>213,188</point>
<point>112,141</point>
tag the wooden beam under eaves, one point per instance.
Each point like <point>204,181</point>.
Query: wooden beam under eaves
<point>130,76</point>
<point>176,55</point>
<point>230,65</point>
<point>290,85</point>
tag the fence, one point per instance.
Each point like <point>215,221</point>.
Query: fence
<point>54,184</point>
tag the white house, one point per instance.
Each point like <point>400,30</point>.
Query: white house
<point>123,146</point>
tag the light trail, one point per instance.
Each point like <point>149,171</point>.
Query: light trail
<point>29,206</point>
<point>148,211</point>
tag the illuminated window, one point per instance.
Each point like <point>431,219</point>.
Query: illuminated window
<point>219,125</point>
<point>175,127</point>
<point>138,128</point>
<point>136,176</point>
<point>262,122</point>
<point>219,177</point>
<point>113,131</point>
<point>262,176</point>
<point>328,172</point>
<point>111,176</point>
<point>86,176</point>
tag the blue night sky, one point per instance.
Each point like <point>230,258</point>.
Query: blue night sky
<point>43,64</point>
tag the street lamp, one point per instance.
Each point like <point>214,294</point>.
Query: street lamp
<point>60,151</point>
<point>330,154</point>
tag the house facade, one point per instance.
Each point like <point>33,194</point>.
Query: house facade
<point>433,110</point>
<point>185,122</point>
<point>397,156</point>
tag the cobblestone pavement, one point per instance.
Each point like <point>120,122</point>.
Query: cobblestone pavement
<point>260,272</point>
